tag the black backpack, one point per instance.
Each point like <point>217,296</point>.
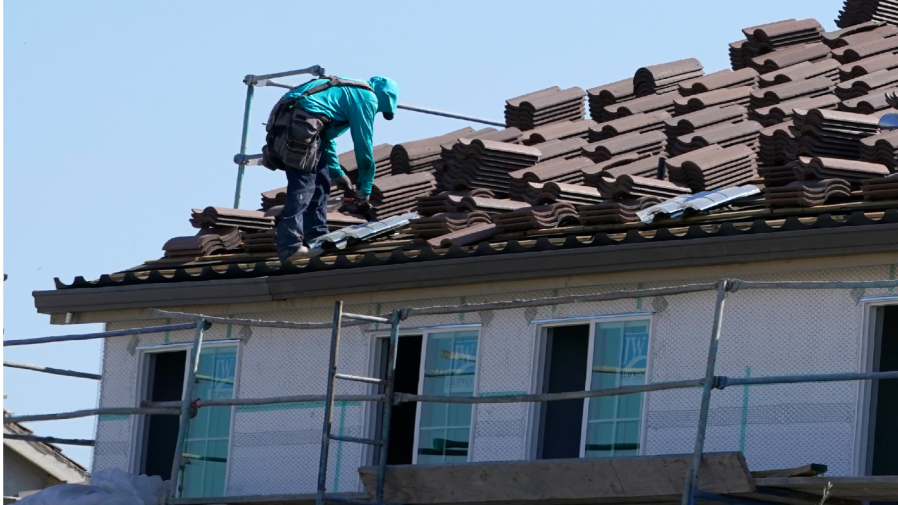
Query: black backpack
<point>293,134</point>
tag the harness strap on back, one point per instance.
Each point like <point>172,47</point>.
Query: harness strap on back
<point>331,82</point>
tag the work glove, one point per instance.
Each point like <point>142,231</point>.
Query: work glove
<point>343,182</point>
<point>364,206</point>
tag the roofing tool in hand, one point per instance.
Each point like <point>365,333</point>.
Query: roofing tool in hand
<point>252,81</point>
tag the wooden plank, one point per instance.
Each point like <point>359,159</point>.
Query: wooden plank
<point>811,470</point>
<point>640,479</point>
<point>280,499</point>
<point>875,488</point>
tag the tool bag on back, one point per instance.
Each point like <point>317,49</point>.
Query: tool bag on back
<point>294,134</point>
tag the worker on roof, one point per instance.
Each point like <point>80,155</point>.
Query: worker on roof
<point>301,140</point>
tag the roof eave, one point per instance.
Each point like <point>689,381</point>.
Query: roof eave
<point>670,254</point>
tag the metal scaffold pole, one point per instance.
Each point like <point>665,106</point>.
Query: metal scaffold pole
<point>691,482</point>
<point>177,461</point>
<point>329,404</point>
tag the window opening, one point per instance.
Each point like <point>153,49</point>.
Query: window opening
<point>402,425</point>
<point>567,351</point>
<point>885,404</point>
<point>165,382</point>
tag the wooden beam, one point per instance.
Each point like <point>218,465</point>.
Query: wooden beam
<point>638,479</point>
<point>811,470</point>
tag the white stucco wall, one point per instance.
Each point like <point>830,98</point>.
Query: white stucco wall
<point>275,449</point>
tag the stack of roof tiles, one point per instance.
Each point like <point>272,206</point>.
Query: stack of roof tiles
<point>445,201</point>
<point>771,38</point>
<point>777,175</point>
<point>419,155</point>
<point>863,50</point>
<point>615,93</point>
<point>568,171</point>
<point>833,133</point>
<point>724,134</point>
<point>858,11</point>
<point>604,175</point>
<point>881,148</point>
<point>382,163</point>
<point>557,131</point>
<point>447,222</point>
<point>634,186</point>
<point>713,167</point>
<point>211,217</point>
<point>636,123</point>
<point>859,33</point>
<point>694,121</point>
<point>260,242</point>
<point>720,80</point>
<point>789,56</point>
<point>487,163</point>
<point>666,77</point>
<point>615,211</point>
<point>866,84</point>
<point>398,194</point>
<point>884,61</point>
<point>491,206</point>
<point>787,91</point>
<point>881,188</point>
<point>852,171</point>
<point>778,143</point>
<point>652,142</point>
<point>828,68</point>
<point>868,104</point>
<point>536,217</point>
<point>550,105</point>
<point>806,193</point>
<point>552,192</point>
<point>718,97</point>
<point>207,241</point>
<point>774,114</point>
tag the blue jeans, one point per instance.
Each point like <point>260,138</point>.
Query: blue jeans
<point>305,214</point>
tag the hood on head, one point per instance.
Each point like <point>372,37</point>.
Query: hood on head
<point>387,95</point>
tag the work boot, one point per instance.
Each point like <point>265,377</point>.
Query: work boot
<point>303,252</point>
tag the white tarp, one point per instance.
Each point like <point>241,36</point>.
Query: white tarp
<point>107,487</point>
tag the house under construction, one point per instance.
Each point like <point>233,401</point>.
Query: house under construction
<point>558,255</point>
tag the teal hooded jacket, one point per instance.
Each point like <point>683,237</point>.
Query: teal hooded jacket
<point>353,109</point>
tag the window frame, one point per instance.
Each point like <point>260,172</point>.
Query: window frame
<point>865,428</point>
<point>539,369</point>
<point>143,354</point>
<point>425,332</point>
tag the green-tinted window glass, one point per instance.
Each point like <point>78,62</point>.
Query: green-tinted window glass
<point>450,363</point>
<point>619,359</point>
<point>206,448</point>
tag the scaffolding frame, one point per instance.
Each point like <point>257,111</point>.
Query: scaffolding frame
<point>187,408</point>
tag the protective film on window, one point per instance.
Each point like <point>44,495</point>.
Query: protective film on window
<point>620,352</point>
<point>206,447</point>
<point>450,365</point>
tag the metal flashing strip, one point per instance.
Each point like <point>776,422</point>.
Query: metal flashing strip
<point>586,318</point>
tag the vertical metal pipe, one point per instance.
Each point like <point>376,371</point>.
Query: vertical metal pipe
<point>242,167</point>
<point>691,482</point>
<point>389,389</point>
<point>329,404</point>
<point>185,406</point>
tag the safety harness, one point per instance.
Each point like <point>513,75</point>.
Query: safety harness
<point>293,133</point>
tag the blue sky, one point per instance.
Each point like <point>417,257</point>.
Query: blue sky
<point>121,116</point>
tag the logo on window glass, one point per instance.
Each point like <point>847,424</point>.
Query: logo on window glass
<point>223,383</point>
<point>633,359</point>
<point>461,363</point>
